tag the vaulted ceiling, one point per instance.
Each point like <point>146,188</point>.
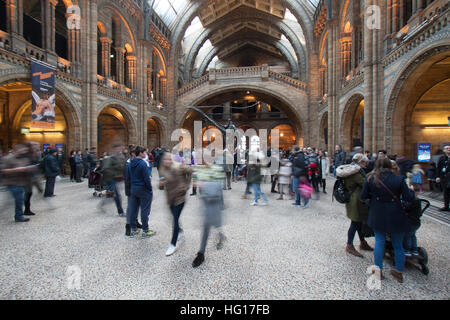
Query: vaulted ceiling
<point>226,27</point>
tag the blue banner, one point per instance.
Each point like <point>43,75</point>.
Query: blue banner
<point>43,94</point>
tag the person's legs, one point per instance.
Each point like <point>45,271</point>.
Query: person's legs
<point>324,185</point>
<point>247,188</point>
<point>380,242</point>
<point>49,186</point>
<point>117,197</point>
<point>132,211</point>
<point>255,192</point>
<point>18,195</point>
<point>446,197</point>
<point>145,203</point>
<point>262,194</point>
<point>176,212</point>
<point>205,235</point>
<point>351,233</point>
<point>295,183</point>
<point>397,243</point>
<point>27,202</point>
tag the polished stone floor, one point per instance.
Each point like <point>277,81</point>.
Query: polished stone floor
<point>273,252</point>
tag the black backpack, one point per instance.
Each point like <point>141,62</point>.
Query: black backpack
<point>340,192</point>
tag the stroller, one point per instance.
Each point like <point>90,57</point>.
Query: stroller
<point>95,179</point>
<point>421,261</point>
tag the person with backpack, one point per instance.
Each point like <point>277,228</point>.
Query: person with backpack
<point>298,171</point>
<point>353,177</point>
<point>384,190</point>
<point>51,170</point>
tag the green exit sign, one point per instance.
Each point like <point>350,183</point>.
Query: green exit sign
<point>449,121</point>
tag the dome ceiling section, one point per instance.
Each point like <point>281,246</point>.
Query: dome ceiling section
<point>216,9</point>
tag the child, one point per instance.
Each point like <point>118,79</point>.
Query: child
<point>416,178</point>
<point>410,240</point>
<point>305,191</point>
<point>284,177</point>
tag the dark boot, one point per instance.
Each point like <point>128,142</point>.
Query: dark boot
<point>29,213</point>
<point>127,230</point>
<point>353,251</point>
<point>365,246</point>
<point>397,275</point>
<point>138,225</point>
<point>198,260</point>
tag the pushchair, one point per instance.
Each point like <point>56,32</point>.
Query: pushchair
<point>95,179</point>
<point>420,262</point>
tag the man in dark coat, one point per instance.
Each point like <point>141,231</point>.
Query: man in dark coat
<point>60,158</point>
<point>298,170</point>
<point>51,170</point>
<point>84,157</point>
<point>443,172</point>
<point>338,158</point>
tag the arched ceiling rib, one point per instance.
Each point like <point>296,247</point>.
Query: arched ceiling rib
<point>280,25</point>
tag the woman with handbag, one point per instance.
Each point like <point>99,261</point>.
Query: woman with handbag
<point>357,211</point>
<point>384,190</point>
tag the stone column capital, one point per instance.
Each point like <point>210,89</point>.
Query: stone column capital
<point>105,40</point>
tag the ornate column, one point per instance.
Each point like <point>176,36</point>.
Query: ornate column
<point>131,76</point>
<point>163,84</point>
<point>12,16</point>
<point>149,82</point>
<point>48,25</point>
<point>106,56</point>
<point>157,89</point>
<point>227,110</point>
<point>395,16</point>
<point>120,56</point>
<point>74,46</point>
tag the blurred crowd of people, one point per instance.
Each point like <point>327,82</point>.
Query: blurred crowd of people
<point>374,182</point>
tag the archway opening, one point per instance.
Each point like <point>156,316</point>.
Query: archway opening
<point>153,134</point>
<point>286,137</point>
<point>419,107</point>
<point>249,109</point>
<point>430,123</point>
<point>352,125</point>
<point>3,16</point>
<point>112,129</point>
<point>32,22</point>
<point>15,119</point>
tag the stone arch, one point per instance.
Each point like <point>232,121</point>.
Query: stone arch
<point>130,122</point>
<point>298,119</point>
<point>64,101</point>
<point>161,133</point>
<point>404,94</point>
<point>162,58</point>
<point>323,144</point>
<point>347,119</point>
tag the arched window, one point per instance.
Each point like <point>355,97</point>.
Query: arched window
<point>61,30</point>
<point>32,22</point>
<point>3,16</point>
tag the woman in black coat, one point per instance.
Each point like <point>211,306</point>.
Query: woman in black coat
<point>384,190</point>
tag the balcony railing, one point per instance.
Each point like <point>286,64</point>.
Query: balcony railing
<point>240,74</point>
<point>248,116</point>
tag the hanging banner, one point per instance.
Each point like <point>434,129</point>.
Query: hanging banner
<point>43,93</point>
<point>424,152</point>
